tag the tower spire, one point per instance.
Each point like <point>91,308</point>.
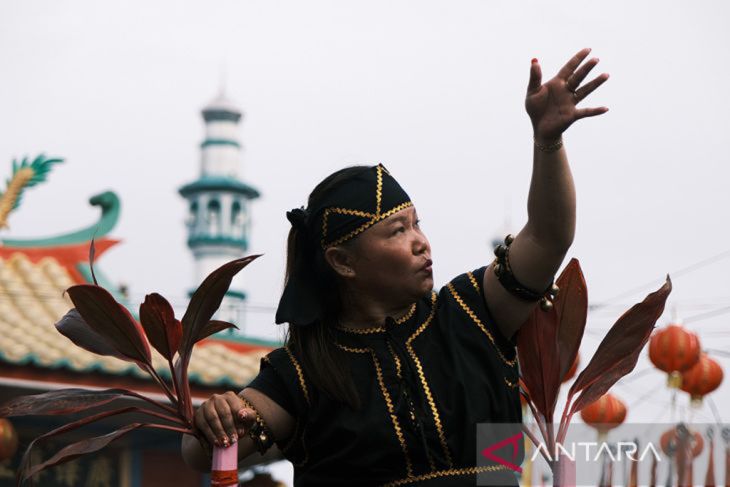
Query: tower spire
<point>223,79</point>
<point>218,218</point>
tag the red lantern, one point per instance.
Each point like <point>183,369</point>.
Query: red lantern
<point>674,350</point>
<point>8,439</point>
<point>682,452</point>
<point>605,414</point>
<point>704,377</point>
<point>670,438</point>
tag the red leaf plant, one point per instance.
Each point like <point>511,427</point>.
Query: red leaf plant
<point>100,324</point>
<point>548,343</point>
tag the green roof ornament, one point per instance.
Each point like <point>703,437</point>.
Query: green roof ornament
<point>25,174</point>
<point>110,206</point>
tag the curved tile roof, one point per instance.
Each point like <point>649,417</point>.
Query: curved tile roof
<point>32,300</point>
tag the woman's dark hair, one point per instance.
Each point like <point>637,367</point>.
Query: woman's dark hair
<point>326,365</point>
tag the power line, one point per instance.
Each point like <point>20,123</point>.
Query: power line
<point>677,273</point>
<point>713,408</point>
<point>709,314</point>
<point>646,396</point>
<point>724,353</point>
<point>636,375</point>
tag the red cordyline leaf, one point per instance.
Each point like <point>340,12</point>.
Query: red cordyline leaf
<point>69,401</point>
<point>206,300</point>
<point>65,401</point>
<point>619,351</point>
<point>203,304</point>
<point>92,254</point>
<point>538,357</point>
<point>113,321</point>
<point>75,450</point>
<point>73,327</point>
<point>25,461</point>
<point>158,320</point>
<point>180,369</point>
<point>571,306</point>
<point>213,327</point>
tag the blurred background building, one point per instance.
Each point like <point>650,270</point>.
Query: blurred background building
<point>35,358</point>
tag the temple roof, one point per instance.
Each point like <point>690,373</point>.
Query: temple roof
<point>34,273</point>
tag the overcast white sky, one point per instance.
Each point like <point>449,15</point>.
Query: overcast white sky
<point>434,90</point>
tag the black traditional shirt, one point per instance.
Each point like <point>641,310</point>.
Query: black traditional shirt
<point>425,381</point>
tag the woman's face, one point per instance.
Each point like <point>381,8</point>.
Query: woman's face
<point>392,260</point>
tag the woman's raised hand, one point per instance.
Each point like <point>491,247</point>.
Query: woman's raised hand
<point>552,106</point>
<point>223,419</point>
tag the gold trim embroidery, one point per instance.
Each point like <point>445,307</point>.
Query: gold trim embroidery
<point>300,374</point>
<point>347,211</point>
<point>395,210</point>
<point>391,411</point>
<point>477,321</point>
<point>374,218</point>
<point>305,391</point>
<point>388,401</point>
<point>424,384</point>
<point>474,282</point>
<point>406,316</point>
<point>396,359</point>
<point>362,331</point>
<point>378,329</point>
<point>445,473</point>
<point>379,190</point>
<point>352,349</point>
<point>367,224</point>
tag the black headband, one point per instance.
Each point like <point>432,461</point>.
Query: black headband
<point>346,211</point>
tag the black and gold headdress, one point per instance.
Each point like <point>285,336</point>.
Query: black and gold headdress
<point>346,211</point>
<point>358,204</point>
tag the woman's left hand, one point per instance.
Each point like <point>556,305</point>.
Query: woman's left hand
<point>552,106</point>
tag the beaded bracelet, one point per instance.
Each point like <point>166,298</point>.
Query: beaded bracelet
<point>503,271</point>
<point>259,432</point>
<point>549,147</point>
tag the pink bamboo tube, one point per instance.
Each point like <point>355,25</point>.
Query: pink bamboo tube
<point>224,471</point>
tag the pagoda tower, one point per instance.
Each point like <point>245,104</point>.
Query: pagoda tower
<point>218,220</point>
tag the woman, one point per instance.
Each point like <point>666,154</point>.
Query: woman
<point>382,380</point>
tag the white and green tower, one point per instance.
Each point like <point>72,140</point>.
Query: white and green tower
<point>219,202</point>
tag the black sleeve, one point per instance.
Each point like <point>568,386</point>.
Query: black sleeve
<point>269,382</point>
<point>281,377</point>
<point>469,299</point>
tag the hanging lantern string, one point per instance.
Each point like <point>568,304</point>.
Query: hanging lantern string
<point>715,412</point>
<point>653,400</point>
<point>714,351</point>
<point>637,375</point>
<point>675,274</point>
<point>647,395</point>
<point>708,314</point>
